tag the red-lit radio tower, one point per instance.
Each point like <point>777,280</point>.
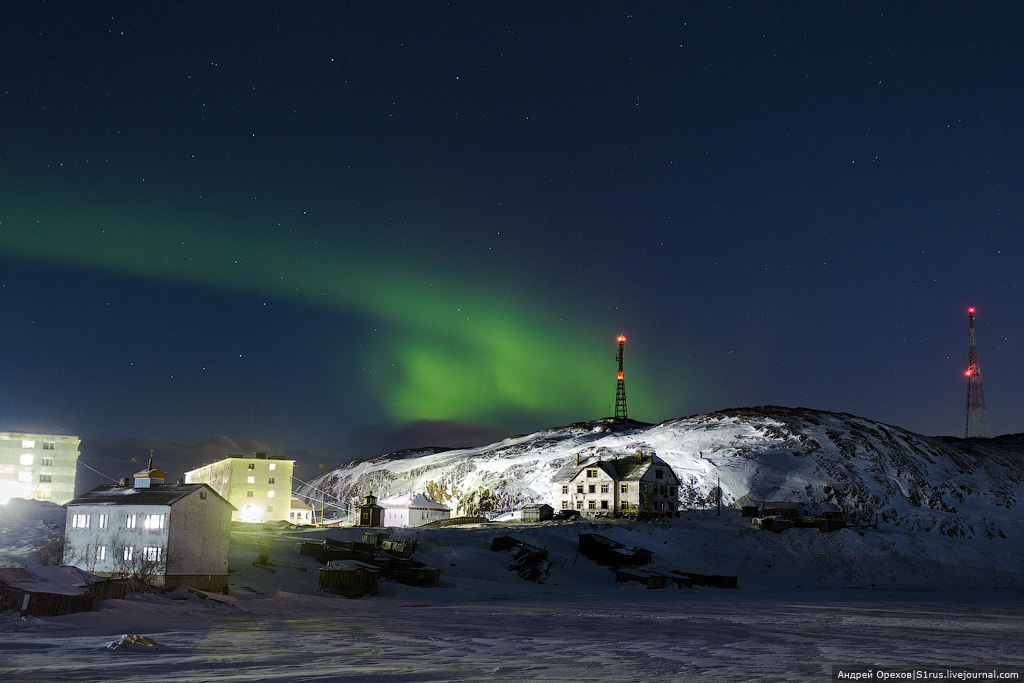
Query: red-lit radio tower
<point>620,388</point>
<point>977,419</point>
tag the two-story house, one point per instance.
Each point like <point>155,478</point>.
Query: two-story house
<point>641,485</point>
<point>158,534</point>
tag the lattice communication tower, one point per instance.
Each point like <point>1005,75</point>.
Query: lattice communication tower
<point>977,418</point>
<point>620,387</point>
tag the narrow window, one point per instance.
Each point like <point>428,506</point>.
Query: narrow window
<point>129,522</point>
<point>128,552</point>
<point>624,488</point>
<point>565,489</point>
<point>101,521</point>
<point>101,553</point>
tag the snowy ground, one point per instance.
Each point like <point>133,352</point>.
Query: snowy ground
<point>806,601</point>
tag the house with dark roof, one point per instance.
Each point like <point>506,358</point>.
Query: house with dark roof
<point>153,533</point>
<point>641,485</point>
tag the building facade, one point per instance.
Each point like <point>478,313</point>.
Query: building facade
<point>259,486</point>
<point>38,466</point>
<point>300,513</point>
<point>413,509</point>
<point>157,534</point>
<point>640,485</point>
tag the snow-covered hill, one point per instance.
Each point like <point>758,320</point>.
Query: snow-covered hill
<point>815,458</point>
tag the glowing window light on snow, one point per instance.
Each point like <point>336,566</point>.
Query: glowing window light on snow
<point>11,489</point>
<point>251,513</point>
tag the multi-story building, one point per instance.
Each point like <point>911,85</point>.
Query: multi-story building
<point>156,534</point>
<point>259,486</point>
<point>39,466</point>
<point>641,485</point>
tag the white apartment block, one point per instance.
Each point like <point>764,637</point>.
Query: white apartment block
<point>259,486</point>
<point>38,466</point>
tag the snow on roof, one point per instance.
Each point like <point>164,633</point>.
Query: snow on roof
<point>49,579</point>
<point>161,494</point>
<point>413,500</point>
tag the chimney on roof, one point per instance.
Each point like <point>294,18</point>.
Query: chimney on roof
<point>639,456</point>
<point>576,460</point>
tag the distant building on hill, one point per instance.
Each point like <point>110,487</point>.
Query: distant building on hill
<point>38,466</point>
<point>157,534</point>
<point>259,486</point>
<point>413,509</point>
<point>641,485</point>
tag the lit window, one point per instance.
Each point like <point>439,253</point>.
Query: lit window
<point>129,522</point>
<point>153,522</point>
<point>128,552</point>
<point>43,495</point>
<point>46,462</point>
<point>48,445</point>
<point>101,521</point>
<point>79,521</point>
<point>45,478</point>
<point>28,443</point>
<point>151,553</point>
<point>250,480</point>
<point>273,466</point>
<point>270,494</point>
<point>26,458</point>
<point>101,553</point>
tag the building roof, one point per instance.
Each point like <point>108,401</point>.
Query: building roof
<point>160,494</point>
<point>299,505</point>
<point>48,579</point>
<point>414,501</point>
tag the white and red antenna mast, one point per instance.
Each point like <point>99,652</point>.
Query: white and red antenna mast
<point>977,419</point>
<point>620,388</point>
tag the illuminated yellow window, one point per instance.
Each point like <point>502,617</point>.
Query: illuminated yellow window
<point>26,458</point>
<point>251,480</point>
<point>270,494</point>
<point>28,443</point>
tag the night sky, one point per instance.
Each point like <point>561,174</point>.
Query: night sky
<point>330,230</point>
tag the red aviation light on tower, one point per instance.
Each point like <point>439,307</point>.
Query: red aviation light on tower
<point>622,338</point>
<point>971,310</point>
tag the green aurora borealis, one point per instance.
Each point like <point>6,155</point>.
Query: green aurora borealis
<point>449,347</point>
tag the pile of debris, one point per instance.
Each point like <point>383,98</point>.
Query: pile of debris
<point>530,562</point>
<point>354,567</point>
<point>628,565</point>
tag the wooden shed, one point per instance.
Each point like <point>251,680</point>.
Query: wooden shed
<point>369,513</point>
<point>52,590</point>
<point>349,578</point>
<point>536,512</point>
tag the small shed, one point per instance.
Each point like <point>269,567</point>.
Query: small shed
<point>536,512</point>
<point>349,578</point>
<point>369,513</point>
<point>52,590</point>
